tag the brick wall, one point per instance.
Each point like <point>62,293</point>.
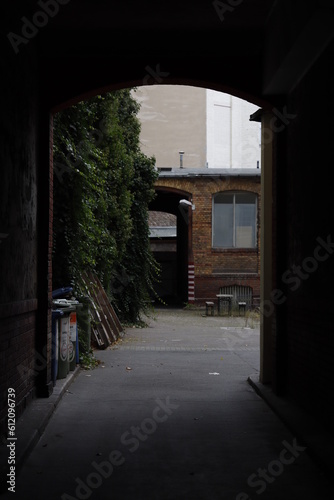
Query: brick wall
<point>208,286</point>
<point>44,386</point>
<point>18,221</point>
<point>25,329</point>
<point>215,268</point>
<point>17,355</point>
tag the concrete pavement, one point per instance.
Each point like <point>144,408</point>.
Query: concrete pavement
<point>170,414</point>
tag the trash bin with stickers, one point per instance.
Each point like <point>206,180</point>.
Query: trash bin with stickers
<point>73,341</point>
<point>68,340</point>
<point>64,342</point>
<point>56,316</point>
<point>62,293</point>
<point>68,356</point>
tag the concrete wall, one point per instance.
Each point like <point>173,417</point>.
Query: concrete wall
<point>173,120</point>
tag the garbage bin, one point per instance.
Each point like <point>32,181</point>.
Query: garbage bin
<point>73,339</point>
<point>69,306</point>
<point>56,315</point>
<point>64,342</point>
<point>61,292</point>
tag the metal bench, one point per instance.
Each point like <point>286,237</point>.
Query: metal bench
<point>243,303</point>
<point>242,307</point>
<point>210,307</point>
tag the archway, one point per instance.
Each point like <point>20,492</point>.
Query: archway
<point>79,51</point>
<point>72,56</point>
<point>168,200</point>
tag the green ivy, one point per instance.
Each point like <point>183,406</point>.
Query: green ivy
<point>103,185</point>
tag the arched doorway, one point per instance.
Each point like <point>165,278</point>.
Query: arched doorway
<point>168,200</point>
<point>76,56</point>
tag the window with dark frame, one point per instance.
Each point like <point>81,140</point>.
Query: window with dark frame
<point>234,220</point>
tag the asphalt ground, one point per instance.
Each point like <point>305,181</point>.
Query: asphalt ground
<point>169,414</point>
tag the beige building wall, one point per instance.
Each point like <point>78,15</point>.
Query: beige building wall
<point>212,128</point>
<point>173,121</point>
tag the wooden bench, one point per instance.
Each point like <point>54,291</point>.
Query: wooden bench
<point>210,307</point>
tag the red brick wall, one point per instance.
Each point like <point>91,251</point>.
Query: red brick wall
<point>43,382</point>
<point>215,268</point>
<point>17,354</point>
<point>208,286</point>
<point>19,143</point>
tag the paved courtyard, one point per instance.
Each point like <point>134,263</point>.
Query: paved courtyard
<point>169,414</point>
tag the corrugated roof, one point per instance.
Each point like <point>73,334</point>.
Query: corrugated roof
<point>161,219</point>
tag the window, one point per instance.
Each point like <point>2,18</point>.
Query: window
<point>234,220</point>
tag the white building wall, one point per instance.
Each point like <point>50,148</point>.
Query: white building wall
<point>232,140</point>
<point>212,128</point>
<point>218,127</point>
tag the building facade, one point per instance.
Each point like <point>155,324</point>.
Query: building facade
<point>208,152</point>
<point>218,233</point>
<point>211,128</point>
<point>261,52</point>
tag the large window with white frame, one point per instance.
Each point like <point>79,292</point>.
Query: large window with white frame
<point>234,216</point>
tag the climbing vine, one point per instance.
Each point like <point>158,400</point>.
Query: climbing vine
<point>103,185</point>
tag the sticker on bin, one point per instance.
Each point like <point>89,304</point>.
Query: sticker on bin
<point>64,339</point>
<point>73,326</point>
<point>63,350</point>
<point>71,352</point>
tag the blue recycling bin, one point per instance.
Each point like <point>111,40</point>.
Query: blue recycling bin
<point>61,292</point>
<point>56,315</point>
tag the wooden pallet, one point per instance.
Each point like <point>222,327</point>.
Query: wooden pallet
<point>106,326</point>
